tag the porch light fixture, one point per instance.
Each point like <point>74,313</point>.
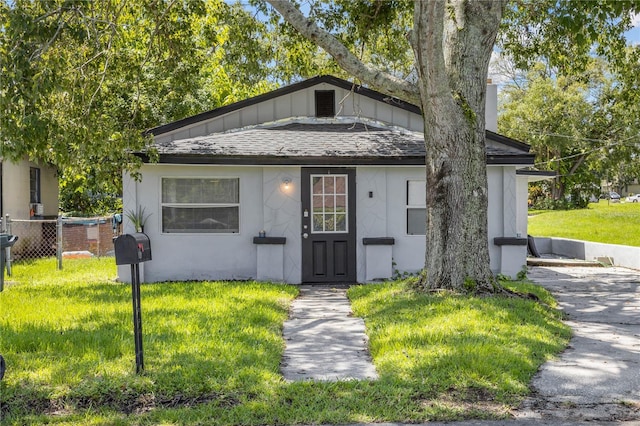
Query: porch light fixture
<point>286,182</point>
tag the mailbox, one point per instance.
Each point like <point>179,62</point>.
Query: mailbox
<point>132,249</point>
<point>6,241</point>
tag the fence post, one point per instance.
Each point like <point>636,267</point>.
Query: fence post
<point>59,242</point>
<point>98,225</point>
<point>8,249</point>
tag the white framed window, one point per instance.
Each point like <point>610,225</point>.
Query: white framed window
<point>200,205</point>
<point>329,203</point>
<point>416,207</point>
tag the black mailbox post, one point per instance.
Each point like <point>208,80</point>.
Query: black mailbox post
<point>132,249</point>
<point>6,241</point>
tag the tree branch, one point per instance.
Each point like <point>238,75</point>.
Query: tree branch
<point>427,42</point>
<point>372,76</point>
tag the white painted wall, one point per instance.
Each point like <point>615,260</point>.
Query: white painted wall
<point>15,189</point>
<point>522,206</point>
<point>282,217</point>
<point>266,205</point>
<point>505,219</point>
<point>197,256</point>
<point>384,215</point>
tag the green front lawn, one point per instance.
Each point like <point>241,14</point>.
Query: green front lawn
<point>603,222</point>
<point>213,350</point>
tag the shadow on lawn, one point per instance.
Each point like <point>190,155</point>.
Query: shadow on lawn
<point>197,349</point>
<point>222,361</point>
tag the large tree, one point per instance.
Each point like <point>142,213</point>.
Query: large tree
<point>555,115</point>
<point>583,126</point>
<point>452,42</point>
<point>80,81</point>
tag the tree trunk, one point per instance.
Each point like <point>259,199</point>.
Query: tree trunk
<point>452,44</point>
<point>452,41</point>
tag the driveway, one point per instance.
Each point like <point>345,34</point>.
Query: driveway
<point>598,377</point>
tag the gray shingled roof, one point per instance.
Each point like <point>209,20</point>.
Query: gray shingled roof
<point>312,139</point>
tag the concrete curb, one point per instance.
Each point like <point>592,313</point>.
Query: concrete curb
<point>614,254</point>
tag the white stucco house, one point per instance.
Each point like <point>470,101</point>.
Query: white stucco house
<point>317,182</point>
<point>28,190</point>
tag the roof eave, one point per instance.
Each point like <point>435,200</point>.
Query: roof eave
<point>513,143</point>
<point>263,160</point>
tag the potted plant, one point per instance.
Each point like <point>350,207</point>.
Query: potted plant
<point>138,217</point>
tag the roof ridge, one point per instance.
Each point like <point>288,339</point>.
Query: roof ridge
<point>323,120</point>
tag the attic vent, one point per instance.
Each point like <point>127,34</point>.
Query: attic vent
<point>325,103</point>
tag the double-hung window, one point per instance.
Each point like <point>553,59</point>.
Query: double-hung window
<point>416,207</point>
<point>201,205</point>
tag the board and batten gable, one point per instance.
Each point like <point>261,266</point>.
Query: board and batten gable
<point>300,104</point>
<point>299,100</point>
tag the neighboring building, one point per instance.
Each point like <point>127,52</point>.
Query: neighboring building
<point>332,173</point>
<point>631,188</point>
<point>28,190</point>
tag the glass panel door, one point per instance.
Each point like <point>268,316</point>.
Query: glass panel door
<point>329,203</point>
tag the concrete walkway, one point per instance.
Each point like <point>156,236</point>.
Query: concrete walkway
<point>324,341</point>
<point>598,377</point>
<point>596,380</point>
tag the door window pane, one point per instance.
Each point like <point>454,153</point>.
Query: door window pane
<point>329,203</point>
<point>341,184</point>
<point>317,185</point>
<point>317,223</point>
<point>329,187</point>
<point>329,222</point>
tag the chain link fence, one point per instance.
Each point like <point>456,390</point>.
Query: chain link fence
<point>60,238</point>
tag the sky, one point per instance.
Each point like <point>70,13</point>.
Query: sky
<point>634,34</point>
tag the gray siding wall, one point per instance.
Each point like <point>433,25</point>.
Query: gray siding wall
<point>300,104</point>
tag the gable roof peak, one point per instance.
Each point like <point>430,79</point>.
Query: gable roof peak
<point>285,90</point>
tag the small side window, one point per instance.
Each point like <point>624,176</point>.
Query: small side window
<point>416,207</point>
